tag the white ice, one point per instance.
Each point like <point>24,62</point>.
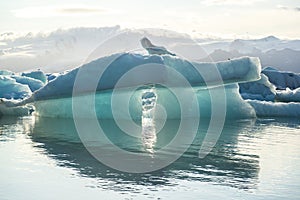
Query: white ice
<point>258,90</point>
<point>11,89</point>
<point>55,98</point>
<point>275,109</point>
<point>282,79</point>
<point>288,95</point>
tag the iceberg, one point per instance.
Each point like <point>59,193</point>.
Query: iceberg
<point>281,79</point>
<point>268,93</point>
<point>258,90</point>
<point>7,108</point>
<point>277,109</point>
<point>33,84</point>
<point>288,95</point>
<point>11,89</point>
<point>271,96</point>
<point>6,72</point>
<point>38,75</point>
<point>17,87</point>
<point>56,98</point>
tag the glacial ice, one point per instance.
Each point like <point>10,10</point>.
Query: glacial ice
<point>6,109</point>
<point>237,70</point>
<point>11,89</point>
<point>240,78</point>
<point>33,84</point>
<point>258,90</point>
<point>14,86</point>
<point>271,96</point>
<point>231,72</point>
<point>39,75</point>
<point>62,107</point>
<point>14,89</point>
<point>55,98</point>
<point>281,79</point>
<point>275,109</point>
<point>288,95</point>
<point>6,72</point>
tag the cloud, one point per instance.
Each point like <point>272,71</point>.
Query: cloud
<point>282,7</point>
<point>297,9</point>
<point>81,10</point>
<point>228,2</point>
<point>55,11</point>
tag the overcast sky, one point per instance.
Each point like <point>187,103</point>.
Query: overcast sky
<point>225,18</point>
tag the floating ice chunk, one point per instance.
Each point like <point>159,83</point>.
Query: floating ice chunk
<point>288,95</point>
<point>33,84</point>
<point>275,109</point>
<point>281,79</point>
<point>55,98</point>
<point>6,72</point>
<point>259,90</point>
<point>39,75</point>
<point>8,108</point>
<point>11,89</point>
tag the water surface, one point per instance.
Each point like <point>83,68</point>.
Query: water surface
<point>43,158</point>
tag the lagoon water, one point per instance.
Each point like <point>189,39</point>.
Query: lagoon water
<point>43,158</point>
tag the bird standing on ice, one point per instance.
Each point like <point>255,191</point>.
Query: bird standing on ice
<point>154,50</point>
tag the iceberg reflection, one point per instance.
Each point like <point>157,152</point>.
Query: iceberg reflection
<point>227,164</point>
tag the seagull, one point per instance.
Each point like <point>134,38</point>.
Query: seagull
<point>154,50</point>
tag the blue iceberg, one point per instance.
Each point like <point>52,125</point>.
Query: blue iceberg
<point>33,84</point>
<point>277,109</point>
<point>276,94</point>
<point>6,72</point>
<point>282,79</point>
<point>261,90</point>
<point>11,89</point>
<point>38,75</point>
<point>288,95</point>
<point>267,93</point>
<point>100,80</point>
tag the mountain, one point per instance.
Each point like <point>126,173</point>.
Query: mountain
<point>65,49</point>
<point>285,59</point>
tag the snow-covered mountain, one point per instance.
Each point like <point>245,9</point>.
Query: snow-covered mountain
<point>57,50</point>
<point>65,49</point>
<point>285,59</point>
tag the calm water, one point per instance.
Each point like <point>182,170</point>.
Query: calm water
<point>43,158</point>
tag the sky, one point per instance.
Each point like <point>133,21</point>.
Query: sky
<point>221,18</point>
